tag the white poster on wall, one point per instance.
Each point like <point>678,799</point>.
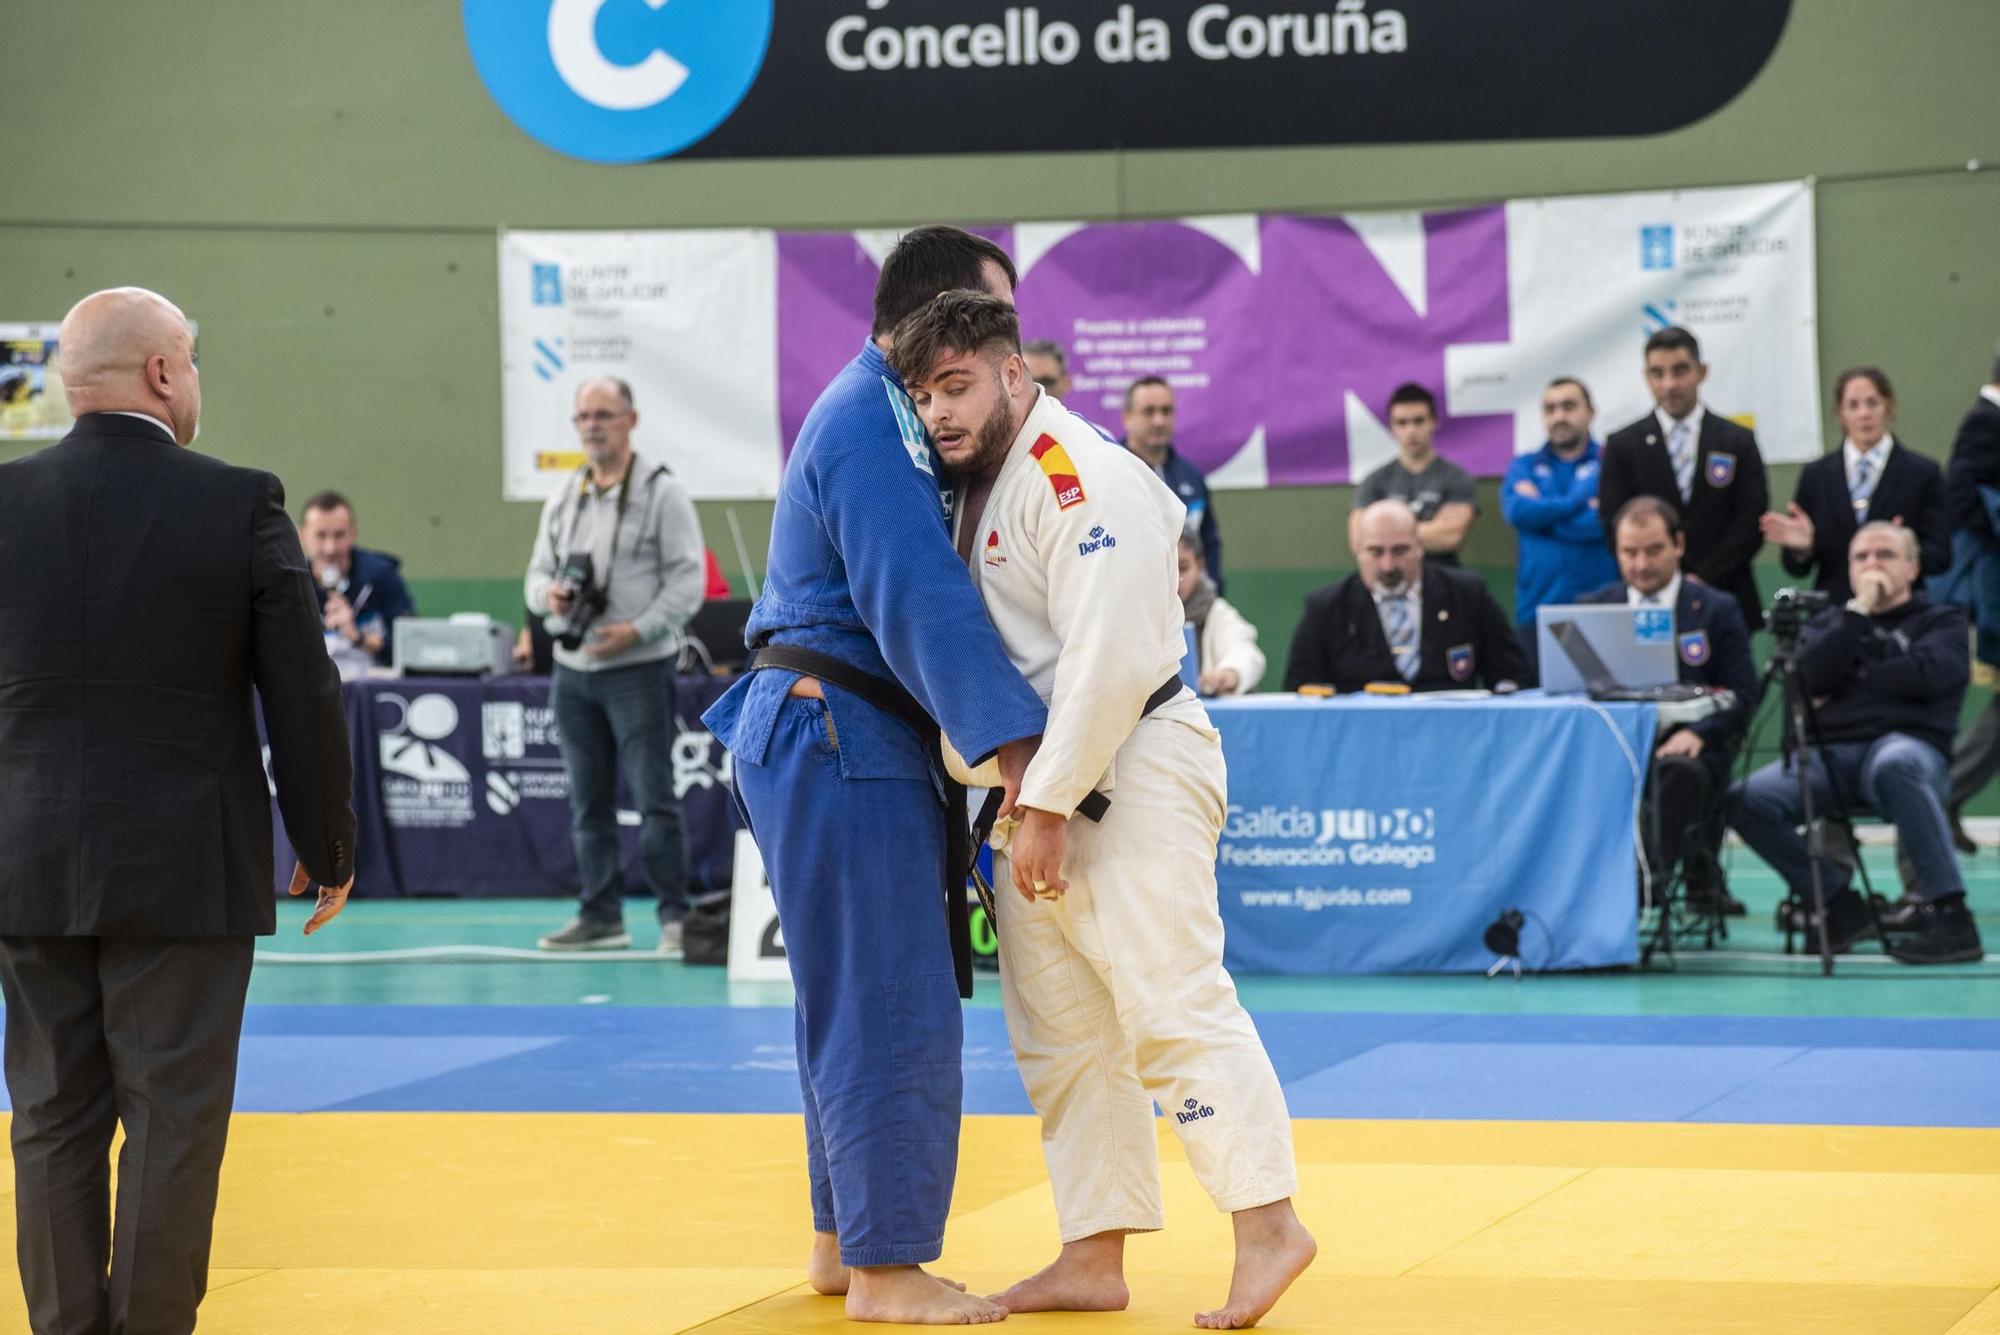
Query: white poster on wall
<point>31,393</point>
<point>688,319</point>
<point>1591,276</point>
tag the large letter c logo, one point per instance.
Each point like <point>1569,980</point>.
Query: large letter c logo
<point>581,63</point>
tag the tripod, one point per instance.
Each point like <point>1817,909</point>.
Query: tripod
<point>1799,740</point>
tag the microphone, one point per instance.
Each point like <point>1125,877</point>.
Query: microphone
<point>330,579</point>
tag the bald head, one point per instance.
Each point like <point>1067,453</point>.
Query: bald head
<point>129,350</point>
<point>1387,547</point>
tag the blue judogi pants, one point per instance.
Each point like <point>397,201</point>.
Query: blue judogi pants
<point>855,866</point>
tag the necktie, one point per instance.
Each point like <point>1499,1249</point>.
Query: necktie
<point>1863,485</point>
<point>1399,622</point>
<point>1680,445</point>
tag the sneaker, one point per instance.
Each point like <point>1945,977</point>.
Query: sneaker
<point>670,940</point>
<point>1946,935</point>
<point>582,935</point>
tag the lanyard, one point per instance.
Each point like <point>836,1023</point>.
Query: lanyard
<point>617,521</point>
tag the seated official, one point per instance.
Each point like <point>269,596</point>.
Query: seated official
<point>1403,621</point>
<point>1227,659</point>
<point>1886,674</point>
<point>1871,476</point>
<point>361,593</point>
<point>1690,766</point>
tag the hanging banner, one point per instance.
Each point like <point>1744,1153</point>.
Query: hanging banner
<point>31,396</point>
<point>1283,337</point>
<point>622,83</point>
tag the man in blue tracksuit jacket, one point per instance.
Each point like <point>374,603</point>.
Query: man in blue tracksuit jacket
<point>1550,498</point>
<point>847,812</point>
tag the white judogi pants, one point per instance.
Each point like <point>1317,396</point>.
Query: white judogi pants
<point>1116,997</point>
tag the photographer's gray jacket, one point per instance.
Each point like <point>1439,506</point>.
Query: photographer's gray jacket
<point>657,574</point>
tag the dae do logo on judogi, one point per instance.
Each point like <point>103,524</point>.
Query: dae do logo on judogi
<point>618,83</point>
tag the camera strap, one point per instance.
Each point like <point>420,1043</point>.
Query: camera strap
<point>617,517</point>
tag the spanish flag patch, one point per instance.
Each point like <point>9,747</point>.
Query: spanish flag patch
<point>1055,462</point>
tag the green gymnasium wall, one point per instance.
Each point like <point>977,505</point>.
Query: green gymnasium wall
<point>320,186</point>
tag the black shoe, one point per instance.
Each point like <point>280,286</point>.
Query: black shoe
<point>1904,915</point>
<point>1946,935</point>
<point>581,934</point>
<point>1848,922</point>
<point>1704,901</point>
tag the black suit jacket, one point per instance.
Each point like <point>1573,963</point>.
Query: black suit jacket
<point>1712,645</point>
<point>1911,487</point>
<point>151,589</point>
<point>1466,640</point>
<point>1729,497</point>
<point>1975,463</point>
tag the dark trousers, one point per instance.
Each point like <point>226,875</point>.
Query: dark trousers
<point>1977,757</point>
<point>102,1031</point>
<point>622,718</point>
<point>1683,819</point>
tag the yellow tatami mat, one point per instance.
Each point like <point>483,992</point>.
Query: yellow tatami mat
<point>608,1224</point>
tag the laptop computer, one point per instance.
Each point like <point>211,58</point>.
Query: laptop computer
<point>1610,652</point>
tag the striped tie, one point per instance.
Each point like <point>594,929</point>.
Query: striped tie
<point>1680,445</point>
<point>1863,485</point>
<point>1399,623</point>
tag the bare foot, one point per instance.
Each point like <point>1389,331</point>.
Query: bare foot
<point>1272,1249</point>
<point>827,1275</point>
<point>1088,1275</point>
<point>905,1295</point>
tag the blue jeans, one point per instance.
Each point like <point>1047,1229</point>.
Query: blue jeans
<point>621,715</point>
<point>1897,776</point>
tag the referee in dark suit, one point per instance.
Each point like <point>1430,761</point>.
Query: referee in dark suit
<point>153,589</point>
<point>1701,463</point>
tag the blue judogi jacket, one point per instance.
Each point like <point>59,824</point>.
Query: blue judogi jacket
<point>862,568</point>
<point>1559,536</point>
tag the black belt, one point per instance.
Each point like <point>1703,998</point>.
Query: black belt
<point>897,703</point>
<point>962,843</point>
<point>1095,806</point>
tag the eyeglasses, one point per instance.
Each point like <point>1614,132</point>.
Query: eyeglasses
<point>599,417</point>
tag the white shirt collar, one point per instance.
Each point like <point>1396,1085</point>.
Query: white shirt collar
<point>1693,421</point>
<point>1669,596</point>
<point>1878,455</point>
<point>1990,394</point>
<point>147,417</point>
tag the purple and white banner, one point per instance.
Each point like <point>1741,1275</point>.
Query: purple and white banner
<point>1282,336</point>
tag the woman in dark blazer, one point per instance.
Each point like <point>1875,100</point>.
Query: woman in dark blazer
<point>1872,476</point>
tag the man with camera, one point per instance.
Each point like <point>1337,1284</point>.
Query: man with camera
<point>618,566</point>
<point>1885,674</point>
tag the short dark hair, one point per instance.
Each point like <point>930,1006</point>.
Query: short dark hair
<point>928,261</point>
<point>624,390</point>
<point>1996,365</point>
<point>1648,507</point>
<point>1411,392</point>
<point>1674,339</point>
<point>1132,390</point>
<point>1874,375</point>
<point>1581,388</point>
<point>324,500</point>
<point>1048,347</point>
<point>956,321</point>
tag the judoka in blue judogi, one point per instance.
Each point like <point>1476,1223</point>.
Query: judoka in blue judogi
<point>847,811</point>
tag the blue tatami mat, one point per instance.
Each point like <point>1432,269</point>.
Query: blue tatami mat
<point>1835,1071</point>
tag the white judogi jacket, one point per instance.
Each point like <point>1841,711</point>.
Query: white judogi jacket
<point>1076,559</point>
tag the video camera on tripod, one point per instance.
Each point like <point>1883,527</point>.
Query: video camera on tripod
<point>1791,609</point>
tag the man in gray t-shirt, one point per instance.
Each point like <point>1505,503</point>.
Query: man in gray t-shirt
<point>1441,494</point>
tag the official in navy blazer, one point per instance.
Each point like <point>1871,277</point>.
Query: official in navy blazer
<point>1713,647</point>
<point>1403,620</point>
<point>1704,465</point>
<point>1871,476</point>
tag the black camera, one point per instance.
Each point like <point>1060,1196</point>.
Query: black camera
<point>577,578</point>
<point>1791,609</point>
